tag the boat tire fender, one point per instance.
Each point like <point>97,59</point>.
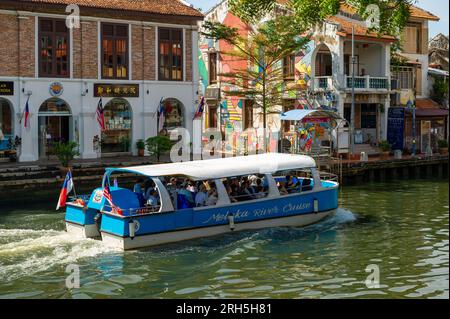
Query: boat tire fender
<point>132,229</point>
<point>316,205</point>
<point>98,220</point>
<point>231,221</point>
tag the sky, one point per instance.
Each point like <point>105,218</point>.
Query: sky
<point>437,7</point>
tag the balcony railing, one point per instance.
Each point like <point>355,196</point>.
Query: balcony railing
<point>323,83</point>
<point>367,83</point>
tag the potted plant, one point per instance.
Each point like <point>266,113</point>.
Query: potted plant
<point>13,146</point>
<point>65,152</point>
<point>158,145</point>
<point>385,148</point>
<point>443,147</point>
<point>140,145</point>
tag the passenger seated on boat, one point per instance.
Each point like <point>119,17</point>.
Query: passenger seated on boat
<point>289,184</point>
<point>212,197</point>
<point>232,193</point>
<point>187,196</point>
<point>306,185</point>
<point>282,188</point>
<point>260,192</point>
<point>152,199</point>
<point>148,188</point>
<point>201,197</point>
<point>246,192</point>
<point>191,187</point>
<point>137,189</point>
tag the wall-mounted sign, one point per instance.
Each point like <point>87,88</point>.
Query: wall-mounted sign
<point>56,89</point>
<point>6,88</point>
<point>396,127</point>
<point>116,90</point>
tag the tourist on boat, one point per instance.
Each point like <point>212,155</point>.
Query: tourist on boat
<point>153,198</point>
<point>148,188</point>
<point>231,194</point>
<point>212,197</point>
<point>191,187</point>
<point>259,192</point>
<point>201,197</point>
<point>246,192</point>
<point>291,186</point>
<point>282,188</point>
<point>185,196</point>
<point>137,189</point>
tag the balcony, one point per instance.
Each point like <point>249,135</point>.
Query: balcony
<point>323,83</point>
<point>368,83</point>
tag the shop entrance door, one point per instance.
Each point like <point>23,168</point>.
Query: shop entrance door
<point>52,130</point>
<point>55,125</point>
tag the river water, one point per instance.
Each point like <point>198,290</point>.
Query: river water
<point>399,229</point>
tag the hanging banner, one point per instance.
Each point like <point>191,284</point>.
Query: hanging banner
<point>396,127</point>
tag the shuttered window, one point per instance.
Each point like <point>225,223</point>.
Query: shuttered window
<point>53,48</point>
<point>114,51</point>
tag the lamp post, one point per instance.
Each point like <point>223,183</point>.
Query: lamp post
<point>352,113</point>
<point>410,106</point>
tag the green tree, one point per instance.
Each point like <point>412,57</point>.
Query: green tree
<point>274,33</point>
<point>66,152</point>
<point>158,145</point>
<point>439,93</point>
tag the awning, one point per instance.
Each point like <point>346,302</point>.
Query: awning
<point>298,115</point>
<point>428,107</point>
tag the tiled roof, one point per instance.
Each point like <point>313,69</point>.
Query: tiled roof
<point>164,7</point>
<point>345,27</point>
<point>427,104</point>
<point>416,12</point>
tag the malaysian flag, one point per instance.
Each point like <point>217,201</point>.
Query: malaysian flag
<point>162,115</point>
<point>200,109</point>
<point>101,115</point>
<point>107,195</point>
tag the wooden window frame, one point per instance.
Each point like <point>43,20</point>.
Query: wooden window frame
<point>170,66</point>
<point>289,67</point>
<point>53,35</point>
<point>213,78</point>
<point>248,114</point>
<point>114,38</point>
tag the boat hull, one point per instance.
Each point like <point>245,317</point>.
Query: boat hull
<point>126,243</point>
<point>82,231</point>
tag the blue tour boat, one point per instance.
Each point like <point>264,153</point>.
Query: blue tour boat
<point>292,194</point>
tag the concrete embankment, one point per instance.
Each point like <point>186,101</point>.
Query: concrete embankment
<point>378,170</point>
<point>22,182</point>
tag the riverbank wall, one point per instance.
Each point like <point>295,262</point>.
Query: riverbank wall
<point>24,182</point>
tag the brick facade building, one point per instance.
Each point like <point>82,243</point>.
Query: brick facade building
<point>130,54</point>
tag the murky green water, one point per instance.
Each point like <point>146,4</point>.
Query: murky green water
<point>401,227</point>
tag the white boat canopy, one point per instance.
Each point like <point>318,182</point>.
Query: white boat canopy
<point>223,167</point>
<point>298,115</point>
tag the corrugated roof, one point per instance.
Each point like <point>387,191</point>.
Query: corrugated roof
<point>164,7</point>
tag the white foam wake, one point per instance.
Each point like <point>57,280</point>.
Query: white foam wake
<point>32,251</point>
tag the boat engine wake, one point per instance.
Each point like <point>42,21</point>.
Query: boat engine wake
<point>24,252</point>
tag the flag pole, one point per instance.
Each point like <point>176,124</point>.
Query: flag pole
<point>73,184</point>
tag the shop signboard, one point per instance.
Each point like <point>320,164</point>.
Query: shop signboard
<point>116,90</point>
<point>6,88</point>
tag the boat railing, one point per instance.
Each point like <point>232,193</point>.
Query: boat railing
<point>131,212</point>
<point>79,200</point>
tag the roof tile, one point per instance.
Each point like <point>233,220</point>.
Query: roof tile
<point>172,7</point>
